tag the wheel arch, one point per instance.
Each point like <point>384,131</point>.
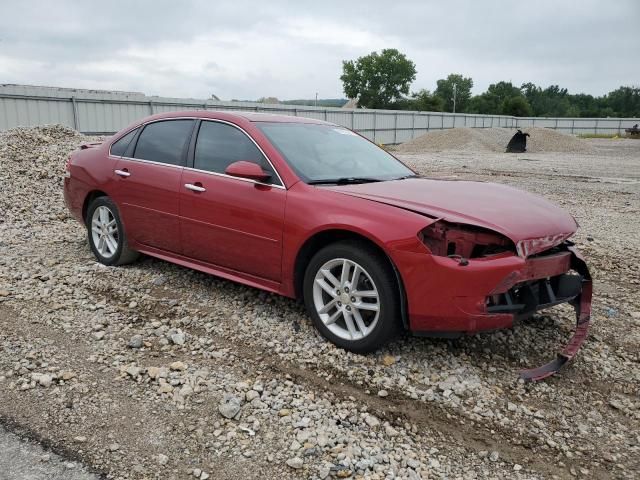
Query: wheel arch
<point>91,196</point>
<point>323,238</point>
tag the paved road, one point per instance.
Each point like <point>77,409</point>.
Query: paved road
<point>25,460</point>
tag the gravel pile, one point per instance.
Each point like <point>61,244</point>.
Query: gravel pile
<point>33,162</point>
<point>493,140</point>
<point>157,371</point>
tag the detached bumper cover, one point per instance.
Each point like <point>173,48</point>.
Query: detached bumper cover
<point>582,305</point>
<point>447,299</point>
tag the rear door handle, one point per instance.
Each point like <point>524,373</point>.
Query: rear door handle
<point>195,188</point>
<point>122,173</point>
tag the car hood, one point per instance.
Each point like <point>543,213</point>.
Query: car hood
<point>514,213</point>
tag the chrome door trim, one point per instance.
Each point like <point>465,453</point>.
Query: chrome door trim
<point>224,175</point>
<point>203,119</point>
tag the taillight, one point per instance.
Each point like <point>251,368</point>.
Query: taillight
<point>67,167</point>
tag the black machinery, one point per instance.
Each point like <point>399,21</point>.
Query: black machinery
<point>518,143</point>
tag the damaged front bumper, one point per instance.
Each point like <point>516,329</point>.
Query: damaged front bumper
<point>491,293</point>
<point>525,298</point>
<point>582,306</point>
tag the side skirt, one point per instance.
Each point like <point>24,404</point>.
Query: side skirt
<point>218,271</point>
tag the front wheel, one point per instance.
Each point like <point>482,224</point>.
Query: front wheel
<point>106,234</point>
<point>351,294</point>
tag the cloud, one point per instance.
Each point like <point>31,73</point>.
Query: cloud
<point>246,50</point>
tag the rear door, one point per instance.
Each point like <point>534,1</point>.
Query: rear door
<point>149,183</point>
<point>231,222</point>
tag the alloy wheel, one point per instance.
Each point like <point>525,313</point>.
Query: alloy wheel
<point>104,231</point>
<point>346,299</point>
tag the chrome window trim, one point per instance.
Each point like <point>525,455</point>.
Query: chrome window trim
<point>250,138</point>
<point>224,175</point>
<point>283,187</point>
<point>115,157</point>
<point>141,125</point>
<point>120,138</point>
<point>144,125</point>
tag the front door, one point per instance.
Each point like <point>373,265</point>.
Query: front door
<point>226,221</point>
<point>148,187</point>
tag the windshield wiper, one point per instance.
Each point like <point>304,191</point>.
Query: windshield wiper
<point>343,180</point>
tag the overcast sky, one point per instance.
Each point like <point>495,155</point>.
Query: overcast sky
<point>246,50</point>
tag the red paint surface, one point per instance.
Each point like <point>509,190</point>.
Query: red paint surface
<point>517,214</point>
<point>252,233</point>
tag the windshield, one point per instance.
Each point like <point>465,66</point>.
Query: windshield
<point>333,154</point>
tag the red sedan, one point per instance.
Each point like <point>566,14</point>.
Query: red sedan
<point>314,211</point>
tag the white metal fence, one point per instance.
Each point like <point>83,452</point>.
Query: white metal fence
<point>97,112</point>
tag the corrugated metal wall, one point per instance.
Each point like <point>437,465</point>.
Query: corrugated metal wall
<point>99,112</point>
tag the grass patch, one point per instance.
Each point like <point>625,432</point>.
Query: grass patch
<point>607,135</point>
<point>598,135</point>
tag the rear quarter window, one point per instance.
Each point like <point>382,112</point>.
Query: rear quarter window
<point>119,147</point>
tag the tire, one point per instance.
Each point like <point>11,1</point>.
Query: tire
<point>102,217</point>
<point>327,307</point>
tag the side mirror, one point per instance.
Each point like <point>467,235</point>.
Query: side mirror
<point>249,170</point>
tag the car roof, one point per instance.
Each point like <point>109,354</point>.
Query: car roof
<point>237,115</point>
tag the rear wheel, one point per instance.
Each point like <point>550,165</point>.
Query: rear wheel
<point>351,294</point>
<point>106,234</point>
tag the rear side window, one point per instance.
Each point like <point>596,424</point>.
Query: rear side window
<point>219,145</point>
<point>119,147</point>
<point>164,142</point>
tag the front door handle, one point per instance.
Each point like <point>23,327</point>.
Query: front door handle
<point>195,188</point>
<point>122,173</point>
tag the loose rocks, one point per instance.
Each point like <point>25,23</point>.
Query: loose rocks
<point>229,406</point>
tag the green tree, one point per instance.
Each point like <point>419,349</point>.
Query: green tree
<point>479,104</point>
<point>516,106</point>
<point>501,94</point>
<point>377,80</point>
<point>425,101</point>
<point>553,101</point>
<point>444,90</point>
<point>270,100</point>
<point>497,97</point>
<point>583,105</point>
<point>625,101</point>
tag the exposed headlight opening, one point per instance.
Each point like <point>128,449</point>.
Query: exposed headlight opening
<point>464,241</point>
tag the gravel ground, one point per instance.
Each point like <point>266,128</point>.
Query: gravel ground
<point>157,371</point>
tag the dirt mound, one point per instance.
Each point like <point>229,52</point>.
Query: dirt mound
<point>493,140</point>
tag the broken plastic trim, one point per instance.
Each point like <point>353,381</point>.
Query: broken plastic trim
<point>582,305</point>
<point>460,241</point>
<point>526,248</point>
<point>525,298</point>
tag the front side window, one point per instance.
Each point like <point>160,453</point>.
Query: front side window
<point>331,154</point>
<point>164,142</point>
<point>219,145</point>
<point>120,147</point>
